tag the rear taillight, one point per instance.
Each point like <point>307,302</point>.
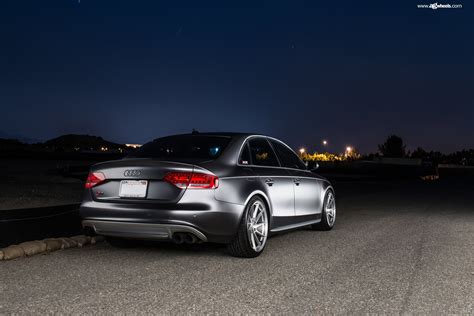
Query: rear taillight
<point>179,179</point>
<point>192,180</point>
<point>203,181</point>
<point>93,179</point>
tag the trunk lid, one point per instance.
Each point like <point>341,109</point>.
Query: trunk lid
<point>152,171</point>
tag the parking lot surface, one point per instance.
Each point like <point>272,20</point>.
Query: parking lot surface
<point>403,247</point>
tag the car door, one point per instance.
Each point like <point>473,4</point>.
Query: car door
<point>307,193</point>
<point>276,180</point>
<point>306,186</point>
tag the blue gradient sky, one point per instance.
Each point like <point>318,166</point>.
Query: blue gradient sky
<point>350,72</point>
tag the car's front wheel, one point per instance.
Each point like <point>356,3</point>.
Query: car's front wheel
<point>252,235</point>
<point>328,216</point>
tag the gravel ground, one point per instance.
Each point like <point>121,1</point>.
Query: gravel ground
<point>36,183</point>
<point>396,248</point>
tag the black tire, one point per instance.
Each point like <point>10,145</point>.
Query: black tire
<point>241,246</point>
<point>122,242</point>
<point>324,224</point>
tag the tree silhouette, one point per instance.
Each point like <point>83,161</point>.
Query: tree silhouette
<point>393,147</point>
<point>419,153</point>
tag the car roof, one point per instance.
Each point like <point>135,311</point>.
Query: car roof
<point>224,134</point>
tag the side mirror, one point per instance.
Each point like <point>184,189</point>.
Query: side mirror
<point>311,165</point>
<point>315,166</point>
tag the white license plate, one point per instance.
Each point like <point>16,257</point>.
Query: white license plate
<point>133,188</point>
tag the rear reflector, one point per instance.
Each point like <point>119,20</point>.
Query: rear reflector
<point>192,180</point>
<point>93,179</point>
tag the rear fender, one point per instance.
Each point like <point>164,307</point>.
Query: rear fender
<point>267,201</point>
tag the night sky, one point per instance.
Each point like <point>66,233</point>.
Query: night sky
<point>351,72</point>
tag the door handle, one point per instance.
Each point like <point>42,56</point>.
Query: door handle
<point>269,182</point>
<point>297,181</point>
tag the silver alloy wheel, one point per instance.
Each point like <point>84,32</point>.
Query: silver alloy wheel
<point>330,209</point>
<point>257,226</point>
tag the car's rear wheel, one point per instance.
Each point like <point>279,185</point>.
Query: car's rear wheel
<point>328,216</point>
<point>252,235</point>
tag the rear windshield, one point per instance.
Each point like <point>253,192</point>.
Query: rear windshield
<point>185,147</point>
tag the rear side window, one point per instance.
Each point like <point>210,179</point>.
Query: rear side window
<point>261,153</point>
<point>183,147</point>
<point>287,157</point>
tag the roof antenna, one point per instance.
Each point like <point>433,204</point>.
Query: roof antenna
<point>195,131</point>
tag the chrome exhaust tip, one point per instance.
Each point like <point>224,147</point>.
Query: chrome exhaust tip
<point>190,238</point>
<point>178,238</point>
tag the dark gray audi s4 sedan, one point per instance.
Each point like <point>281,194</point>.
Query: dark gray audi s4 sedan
<point>230,188</point>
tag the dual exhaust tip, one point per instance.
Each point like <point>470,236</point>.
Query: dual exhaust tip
<point>188,238</point>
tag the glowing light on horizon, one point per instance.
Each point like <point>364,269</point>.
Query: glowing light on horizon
<point>133,145</point>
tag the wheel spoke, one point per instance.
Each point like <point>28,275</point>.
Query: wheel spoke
<point>330,209</point>
<point>257,226</point>
<point>249,226</point>
<point>260,233</point>
<point>330,202</point>
<point>252,238</point>
<point>255,210</point>
<point>257,239</point>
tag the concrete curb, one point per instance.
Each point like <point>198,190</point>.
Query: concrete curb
<point>21,225</point>
<point>432,177</point>
<point>31,248</point>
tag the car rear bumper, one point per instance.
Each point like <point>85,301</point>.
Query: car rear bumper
<point>213,222</point>
<point>140,230</point>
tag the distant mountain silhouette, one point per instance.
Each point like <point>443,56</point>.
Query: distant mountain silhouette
<point>23,139</point>
<point>12,145</point>
<point>80,142</point>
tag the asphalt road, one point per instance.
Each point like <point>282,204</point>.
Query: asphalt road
<point>396,248</point>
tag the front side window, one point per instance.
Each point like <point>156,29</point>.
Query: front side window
<point>262,153</point>
<point>287,157</point>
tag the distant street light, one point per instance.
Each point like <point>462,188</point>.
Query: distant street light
<point>302,150</point>
<point>325,142</point>
<point>348,150</point>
